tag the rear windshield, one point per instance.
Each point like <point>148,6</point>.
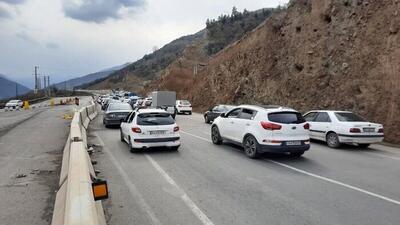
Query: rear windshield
<point>349,117</point>
<point>119,107</point>
<point>149,119</point>
<point>286,117</point>
<point>185,102</point>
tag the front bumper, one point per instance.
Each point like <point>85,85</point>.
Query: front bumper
<point>144,143</point>
<point>360,139</point>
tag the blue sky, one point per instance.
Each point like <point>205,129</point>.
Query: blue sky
<point>70,38</point>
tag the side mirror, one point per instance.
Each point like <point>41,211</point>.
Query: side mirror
<point>223,115</point>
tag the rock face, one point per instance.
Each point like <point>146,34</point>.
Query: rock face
<point>331,54</point>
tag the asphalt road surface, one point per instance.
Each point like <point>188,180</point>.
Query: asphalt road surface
<point>207,184</point>
<point>31,144</point>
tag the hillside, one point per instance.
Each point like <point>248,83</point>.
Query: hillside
<point>7,88</point>
<point>79,81</point>
<point>314,55</point>
<point>218,34</point>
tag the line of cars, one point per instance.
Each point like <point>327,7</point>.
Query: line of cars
<point>147,122</point>
<point>279,129</point>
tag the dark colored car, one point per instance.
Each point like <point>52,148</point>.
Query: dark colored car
<point>116,112</point>
<point>216,111</point>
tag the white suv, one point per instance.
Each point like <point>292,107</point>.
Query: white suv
<point>263,129</point>
<point>337,127</point>
<point>147,128</point>
<point>183,106</point>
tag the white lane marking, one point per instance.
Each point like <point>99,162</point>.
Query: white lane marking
<point>192,206</point>
<point>320,177</point>
<point>204,139</point>
<point>132,188</point>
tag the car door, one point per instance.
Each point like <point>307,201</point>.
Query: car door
<point>310,117</point>
<point>243,124</point>
<point>126,124</point>
<point>214,113</point>
<point>321,125</point>
<point>230,123</point>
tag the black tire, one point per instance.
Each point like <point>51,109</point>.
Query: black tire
<point>332,140</point>
<point>133,150</point>
<point>121,136</point>
<point>175,148</point>
<point>363,145</point>
<point>296,154</point>
<point>206,120</point>
<point>190,113</point>
<point>251,147</point>
<point>215,136</point>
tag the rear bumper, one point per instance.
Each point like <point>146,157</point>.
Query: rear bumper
<point>156,142</point>
<point>360,139</point>
<point>112,121</point>
<point>283,148</point>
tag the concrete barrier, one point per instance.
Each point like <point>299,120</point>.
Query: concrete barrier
<point>75,203</point>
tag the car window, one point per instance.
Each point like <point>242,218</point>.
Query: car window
<point>310,116</point>
<point>154,119</point>
<point>349,117</point>
<point>216,109</point>
<point>286,117</point>
<point>119,107</point>
<point>234,114</point>
<point>322,117</point>
<point>131,116</point>
<point>247,114</point>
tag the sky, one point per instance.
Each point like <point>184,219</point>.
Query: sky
<point>71,38</point>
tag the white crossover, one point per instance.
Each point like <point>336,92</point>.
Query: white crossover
<point>183,106</point>
<point>337,127</point>
<point>147,128</point>
<point>262,129</point>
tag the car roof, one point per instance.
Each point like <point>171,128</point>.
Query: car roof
<point>147,110</point>
<point>334,111</point>
<point>267,108</point>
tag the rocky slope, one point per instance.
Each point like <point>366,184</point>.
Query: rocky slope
<point>331,54</point>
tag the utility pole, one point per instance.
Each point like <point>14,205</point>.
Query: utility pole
<point>16,90</point>
<point>44,86</point>
<point>48,85</point>
<point>36,80</point>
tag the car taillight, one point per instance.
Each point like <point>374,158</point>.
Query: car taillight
<point>176,129</point>
<point>136,130</point>
<point>270,126</point>
<point>355,130</point>
<point>307,126</point>
<point>380,130</point>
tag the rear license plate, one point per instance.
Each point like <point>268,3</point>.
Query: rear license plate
<point>369,129</point>
<point>157,132</point>
<point>293,143</point>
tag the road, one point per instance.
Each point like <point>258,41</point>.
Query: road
<point>207,184</point>
<point>31,144</point>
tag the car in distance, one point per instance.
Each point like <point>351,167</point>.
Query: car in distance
<point>147,128</point>
<point>183,106</point>
<point>263,129</point>
<point>216,111</point>
<point>343,127</point>
<point>14,104</point>
<point>115,113</point>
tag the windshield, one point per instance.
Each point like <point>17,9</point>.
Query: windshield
<point>349,117</point>
<point>114,106</point>
<point>149,119</point>
<point>286,117</point>
<point>185,102</point>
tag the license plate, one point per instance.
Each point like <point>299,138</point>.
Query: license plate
<point>157,132</point>
<point>293,143</point>
<point>369,129</point>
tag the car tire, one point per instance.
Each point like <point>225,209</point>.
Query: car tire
<point>132,149</point>
<point>174,148</point>
<point>251,147</point>
<point>363,145</point>
<point>215,136</point>
<point>332,140</point>
<point>190,113</point>
<point>121,136</point>
<point>296,154</point>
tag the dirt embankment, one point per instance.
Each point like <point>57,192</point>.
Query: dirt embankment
<point>327,54</point>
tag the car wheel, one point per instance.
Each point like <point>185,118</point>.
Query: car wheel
<point>250,146</point>
<point>121,135</point>
<point>215,136</point>
<point>206,119</point>
<point>332,140</point>
<point>190,113</point>
<point>296,154</point>
<point>132,149</point>
<point>363,145</point>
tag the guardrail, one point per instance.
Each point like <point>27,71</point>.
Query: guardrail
<point>75,200</point>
